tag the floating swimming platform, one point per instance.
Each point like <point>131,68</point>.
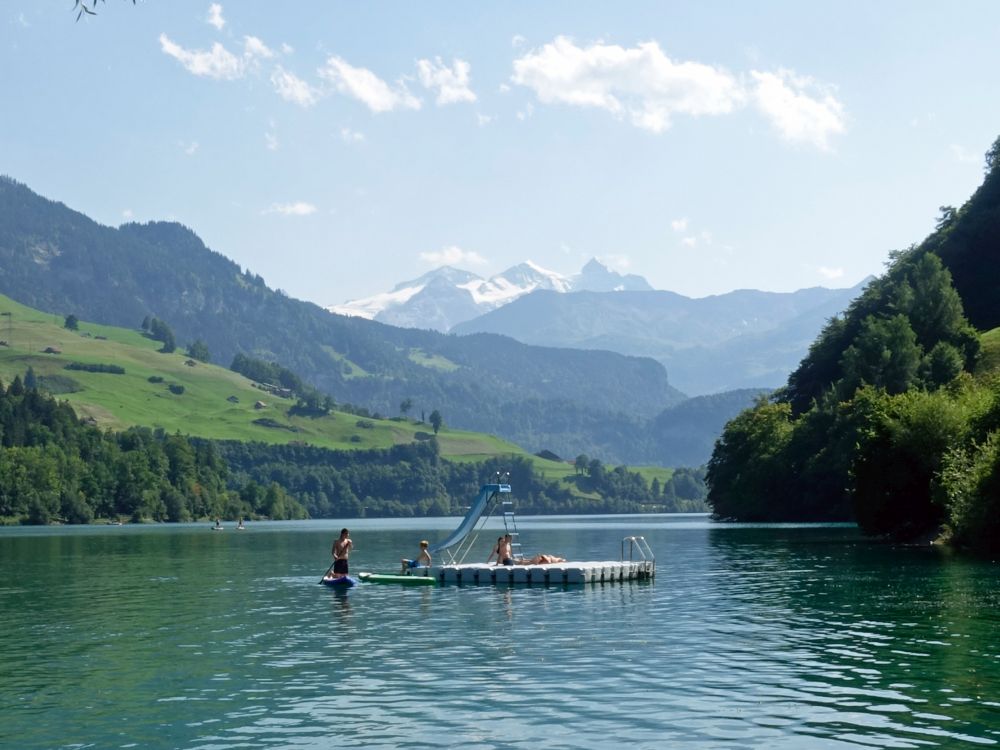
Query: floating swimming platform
<point>637,561</point>
<point>416,579</point>
<point>552,574</point>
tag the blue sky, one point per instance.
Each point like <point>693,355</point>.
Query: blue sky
<point>337,148</point>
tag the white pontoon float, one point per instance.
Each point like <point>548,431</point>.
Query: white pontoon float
<point>637,562</point>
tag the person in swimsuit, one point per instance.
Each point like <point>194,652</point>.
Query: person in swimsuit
<point>341,551</point>
<point>543,559</point>
<point>506,555</point>
<point>495,552</point>
<point>423,560</point>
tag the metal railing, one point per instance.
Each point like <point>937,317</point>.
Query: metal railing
<point>637,545</point>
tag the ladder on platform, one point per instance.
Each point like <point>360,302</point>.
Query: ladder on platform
<point>510,527</point>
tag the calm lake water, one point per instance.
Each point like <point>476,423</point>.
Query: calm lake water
<point>776,636</point>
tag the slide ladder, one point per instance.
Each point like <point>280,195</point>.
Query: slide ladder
<point>510,527</point>
<point>464,537</point>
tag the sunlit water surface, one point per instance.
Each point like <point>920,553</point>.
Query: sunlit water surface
<point>777,637</point>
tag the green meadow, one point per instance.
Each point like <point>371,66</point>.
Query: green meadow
<point>215,403</point>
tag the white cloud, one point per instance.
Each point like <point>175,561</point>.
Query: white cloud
<point>640,83</point>
<point>190,148</point>
<point>366,87</point>
<point>679,225</point>
<point>127,214</point>
<point>963,155</point>
<point>291,88</point>
<point>351,136</point>
<point>452,84</point>
<point>254,48</point>
<point>299,208</point>
<point>831,273</point>
<point>785,98</point>
<point>528,111</point>
<point>452,255</point>
<point>287,49</point>
<point>483,120</point>
<point>218,62</point>
<point>271,140</point>
<point>689,241</point>
<point>215,16</point>
<point>518,41</point>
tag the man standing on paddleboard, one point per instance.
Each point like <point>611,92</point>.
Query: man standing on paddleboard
<point>341,551</point>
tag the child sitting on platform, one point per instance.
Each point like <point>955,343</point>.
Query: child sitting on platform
<point>423,560</point>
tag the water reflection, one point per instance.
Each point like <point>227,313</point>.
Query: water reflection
<point>341,606</point>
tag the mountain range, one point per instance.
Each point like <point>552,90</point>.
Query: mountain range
<point>738,340</point>
<point>569,401</point>
<point>443,298</point>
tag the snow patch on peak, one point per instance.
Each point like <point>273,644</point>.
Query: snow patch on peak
<point>369,307</point>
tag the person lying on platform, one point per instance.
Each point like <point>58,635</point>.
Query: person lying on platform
<point>423,559</point>
<point>542,559</point>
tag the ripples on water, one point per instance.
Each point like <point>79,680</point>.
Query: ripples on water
<point>749,637</point>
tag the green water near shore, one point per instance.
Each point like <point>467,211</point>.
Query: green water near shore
<point>775,636</point>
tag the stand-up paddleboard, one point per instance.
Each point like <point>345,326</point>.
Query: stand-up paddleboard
<point>398,579</point>
<point>339,581</point>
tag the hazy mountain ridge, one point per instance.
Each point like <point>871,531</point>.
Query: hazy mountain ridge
<point>742,339</point>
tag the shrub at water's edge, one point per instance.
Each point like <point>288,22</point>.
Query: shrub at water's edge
<point>891,419</point>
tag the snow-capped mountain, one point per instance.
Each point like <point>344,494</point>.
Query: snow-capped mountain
<point>447,296</point>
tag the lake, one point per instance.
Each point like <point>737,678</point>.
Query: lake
<point>750,636</point>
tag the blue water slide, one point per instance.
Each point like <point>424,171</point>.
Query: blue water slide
<point>486,493</point>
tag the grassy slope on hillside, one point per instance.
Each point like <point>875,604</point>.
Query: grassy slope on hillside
<point>203,409</point>
<point>989,360</point>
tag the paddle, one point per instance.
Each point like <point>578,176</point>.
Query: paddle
<point>328,571</point>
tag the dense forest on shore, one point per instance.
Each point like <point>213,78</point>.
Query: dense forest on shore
<point>54,468</point>
<point>893,418</point>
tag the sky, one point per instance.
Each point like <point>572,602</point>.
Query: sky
<point>338,148</point>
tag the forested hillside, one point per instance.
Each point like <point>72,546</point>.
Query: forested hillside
<point>59,261</point>
<point>54,468</point>
<point>893,417</point>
